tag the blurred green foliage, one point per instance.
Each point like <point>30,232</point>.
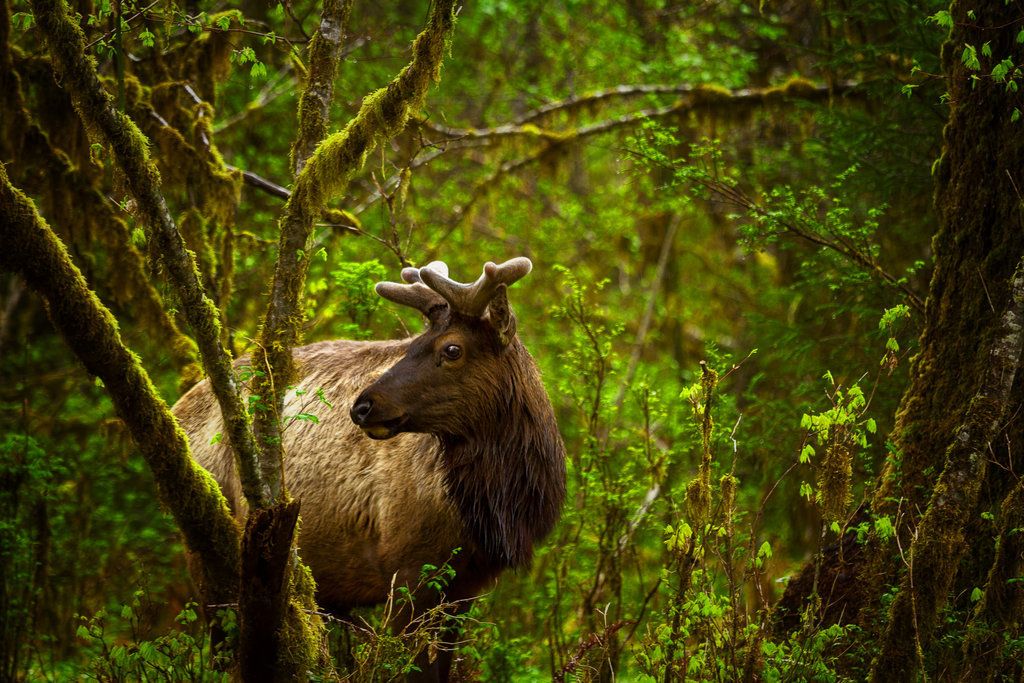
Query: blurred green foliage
<point>767,238</point>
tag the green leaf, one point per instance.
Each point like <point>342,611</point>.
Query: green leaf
<point>976,594</point>
<point>986,48</point>
<point>320,397</point>
<point>22,20</point>
<point>806,453</point>
<point>942,18</point>
<point>970,58</point>
<point>884,528</point>
<point>871,426</point>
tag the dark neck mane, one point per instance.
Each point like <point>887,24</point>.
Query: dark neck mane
<point>508,478</point>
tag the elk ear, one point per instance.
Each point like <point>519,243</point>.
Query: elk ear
<point>501,317</point>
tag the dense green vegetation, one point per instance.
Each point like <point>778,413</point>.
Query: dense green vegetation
<point>768,298</point>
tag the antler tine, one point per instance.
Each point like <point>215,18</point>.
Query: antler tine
<point>472,298</point>
<point>413,274</point>
<point>414,294</point>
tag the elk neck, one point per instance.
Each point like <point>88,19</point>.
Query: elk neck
<point>507,478</point>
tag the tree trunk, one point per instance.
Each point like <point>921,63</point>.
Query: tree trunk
<point>976,249</point>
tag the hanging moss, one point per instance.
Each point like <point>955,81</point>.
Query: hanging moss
<point>75,201</point>
<point>67,46</point>
<point>188,491</point>
<point>698,491</point>
<point>208,60</point>
<point>835,474</point>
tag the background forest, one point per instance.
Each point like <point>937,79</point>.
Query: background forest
<point>775,310</point>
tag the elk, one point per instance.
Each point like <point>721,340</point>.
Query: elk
<point>450,442</point>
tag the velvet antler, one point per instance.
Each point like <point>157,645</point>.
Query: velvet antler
<point>471,299</point>
<point>415,293</point>
<point>429,287</point>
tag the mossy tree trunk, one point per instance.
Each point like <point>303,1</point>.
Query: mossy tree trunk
<point>977,247</point>
<point>940,541</point>
<point>268,540</point>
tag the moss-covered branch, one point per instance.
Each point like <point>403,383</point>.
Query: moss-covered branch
<point>936,552</point>
<point>382,115</point>
<point>96,107</point>
<point>315,103</point>
<point>32,250</point>
<point>702,99</point>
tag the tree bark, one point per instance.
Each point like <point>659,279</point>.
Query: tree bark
<point>263,596</point>
<point>940,542</point>
<point>977,248</point>
<point>1001,609</point>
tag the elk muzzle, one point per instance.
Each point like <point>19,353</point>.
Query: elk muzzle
<point>373,417</point>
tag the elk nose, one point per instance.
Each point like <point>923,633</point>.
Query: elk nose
<point>361,410</point>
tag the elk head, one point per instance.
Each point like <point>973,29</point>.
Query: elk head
<point>454,375</point>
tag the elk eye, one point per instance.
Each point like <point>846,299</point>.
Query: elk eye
<point>452,352</point>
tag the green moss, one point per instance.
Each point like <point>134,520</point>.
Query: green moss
<point>710,94</point>
<point>728,484</point>
<point>342,217</point>
<point>698,501</point>
<point>383,114</point>
<point>796,87</point>
<point>130,147</point>
<point>304,631</point>
<point>698,491</point>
